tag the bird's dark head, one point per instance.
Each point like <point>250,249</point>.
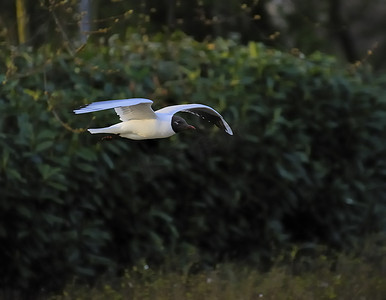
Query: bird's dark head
<point>179,124</point>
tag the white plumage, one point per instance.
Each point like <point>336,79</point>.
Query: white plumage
<point>140,122</point>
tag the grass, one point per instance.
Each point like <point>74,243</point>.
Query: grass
<point>344,277</point>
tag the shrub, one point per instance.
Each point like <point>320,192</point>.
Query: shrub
<point>305,164</point>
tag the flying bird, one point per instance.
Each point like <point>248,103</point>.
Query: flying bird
<point>140,122</point>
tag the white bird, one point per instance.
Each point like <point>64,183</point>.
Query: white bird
<point>140,122</point>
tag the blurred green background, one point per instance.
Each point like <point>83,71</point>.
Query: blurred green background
<point>301,83</point>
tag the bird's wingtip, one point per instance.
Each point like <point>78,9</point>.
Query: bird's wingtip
<point>229,131</point>
<point>226,127</point>
<point>80,111</point>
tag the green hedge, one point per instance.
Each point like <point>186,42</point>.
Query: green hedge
<point>306,164</point>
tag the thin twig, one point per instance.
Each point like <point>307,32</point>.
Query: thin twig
<point>52,109</point>
<point>68,43</point>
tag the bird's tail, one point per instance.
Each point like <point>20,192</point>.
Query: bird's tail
<point>101,130</point>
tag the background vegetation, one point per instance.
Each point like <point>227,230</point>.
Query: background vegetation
<point>235,282</point>
<point>352,31</point>
<point>305,167</point>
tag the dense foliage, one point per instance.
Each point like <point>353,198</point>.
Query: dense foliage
<point>306,164</point>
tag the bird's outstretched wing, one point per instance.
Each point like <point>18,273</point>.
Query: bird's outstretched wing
<point>126,109</point>
<point>203,111</point>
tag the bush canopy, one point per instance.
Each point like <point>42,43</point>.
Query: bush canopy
<point>306,165</point>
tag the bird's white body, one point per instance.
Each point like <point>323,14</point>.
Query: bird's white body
<point>140,129</point>
<point>140,122</point>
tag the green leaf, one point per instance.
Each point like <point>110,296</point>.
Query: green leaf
<point>24,211</point>
<point>53,219</point>
<point>47,171</point>
<point>108,160</point>
<point>43,146</point>
<point>87,154</point>
<point>14,174</point>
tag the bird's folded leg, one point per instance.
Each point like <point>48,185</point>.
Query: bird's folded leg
<point>109,137</point>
